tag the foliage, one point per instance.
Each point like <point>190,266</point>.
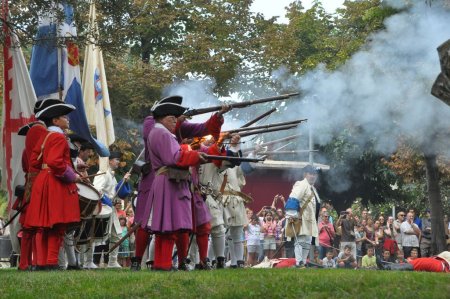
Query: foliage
<point>248,283</point>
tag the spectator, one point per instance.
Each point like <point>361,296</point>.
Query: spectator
<point>269,229</point>
<point>346,259</point>
<point>360,237</point>
<point>379,238</point>
<point>370,235</point>
<point>278,235</point>
<point>347,223</point>
<point>369,261</point>
<point>425,241</point>
<point>1,225</point>
<point>410,235</point>
<point>124,248</point>
<point>416,218</point>
<point>364,215</point>
<point>316,260</point>
<point>384,260</point>
<point>397,223</point>
<point>381,220</point>
<point>326,234</point>
<point>389,236</point>
<point>249,214</point>
<point>400,257</point>
<point>414,255</point>
<point>119,211</point>
<point>328,261</point>
<point>253,230</point>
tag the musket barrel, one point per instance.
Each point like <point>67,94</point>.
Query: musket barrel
<point>259,118</point>
<point>272,142</point>
<point>286,152</point>
<point>267,130</point>
<point>294,122</point>
<point>233,159</point>
<point>192,112</point>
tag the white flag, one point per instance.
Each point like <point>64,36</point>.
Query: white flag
<point>18,103</point>
<point>95,92</point>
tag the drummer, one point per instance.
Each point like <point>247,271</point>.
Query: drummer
<point>107,184</point>
<point>54,199</point>
<point>80,151</point>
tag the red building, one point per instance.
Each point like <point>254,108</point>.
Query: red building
<point>273,177</point>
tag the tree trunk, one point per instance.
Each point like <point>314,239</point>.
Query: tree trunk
<point>438,243</point>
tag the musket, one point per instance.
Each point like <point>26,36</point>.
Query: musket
<point>286,152</point>
<point>117,244</point>
<point>128,172</point>
<point>267,130</point>
<point>233,159</point>
<point>193,112</point>
<point>293,122</point>
<point>259,118</point>
<point>16,214</point>
<point>272,142</point>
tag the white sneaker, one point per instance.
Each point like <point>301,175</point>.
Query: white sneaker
<point>90,265</point>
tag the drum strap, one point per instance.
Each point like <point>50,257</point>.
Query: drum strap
<point>43,145</point>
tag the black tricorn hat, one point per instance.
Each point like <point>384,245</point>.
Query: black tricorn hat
<point>50,108</point>
<point>75,137</point>
<point>168,106</point>
<point>115,155</point>
<point>310,169</point>
<point>24,129</point>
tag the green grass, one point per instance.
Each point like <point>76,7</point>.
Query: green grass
<point>245,283</point>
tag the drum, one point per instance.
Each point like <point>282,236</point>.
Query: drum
<point>95,228</point>
<point>89,199</point>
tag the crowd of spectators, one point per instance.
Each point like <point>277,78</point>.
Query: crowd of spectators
<point>351,241</point>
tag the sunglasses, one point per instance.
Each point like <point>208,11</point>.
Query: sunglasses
<point>402,215</point>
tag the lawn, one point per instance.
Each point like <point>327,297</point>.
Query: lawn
<point>230,283</point>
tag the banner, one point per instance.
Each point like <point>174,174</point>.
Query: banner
<point>55,69</point>
<point>18,103</point>
<point>95,91</point>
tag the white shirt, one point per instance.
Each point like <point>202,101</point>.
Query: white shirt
<point>409,240</point>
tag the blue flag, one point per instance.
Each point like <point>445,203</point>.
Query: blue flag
<point>55,71</point>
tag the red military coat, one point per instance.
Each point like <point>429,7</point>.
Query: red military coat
<point>54,196</point>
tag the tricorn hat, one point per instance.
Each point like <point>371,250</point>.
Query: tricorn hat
<point>310,169</point>
<point>50,108</point>
<point>168,106</point>
<point>115,155</point>
<point>24,130</point>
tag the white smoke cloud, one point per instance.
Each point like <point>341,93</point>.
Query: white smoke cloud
<point>384,88</point>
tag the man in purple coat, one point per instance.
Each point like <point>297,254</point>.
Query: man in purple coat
<point>183,129</point>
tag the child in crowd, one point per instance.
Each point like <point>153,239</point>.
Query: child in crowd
<point>328,261</point>
<point>400,257</point>
<point>124,248</point>
<point>269,229</point>
<point>346,258</point>
<point>414,255</point>
<point>253,230</point>
<point>316,261</point>
<point>369,261</point>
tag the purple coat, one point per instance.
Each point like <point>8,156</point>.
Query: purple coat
<point>143,204</point>
<point>171,201</point>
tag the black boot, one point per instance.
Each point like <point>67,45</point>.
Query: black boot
<point>220,262</point>
<point>204,265</point>
<point>136,263</point>
<point>240,264</point>
<point>183,266</point>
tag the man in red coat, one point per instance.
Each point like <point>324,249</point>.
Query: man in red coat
<point>54,197</point>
